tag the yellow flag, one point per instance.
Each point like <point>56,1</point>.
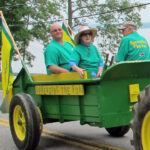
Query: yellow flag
<point>7,50</point>
<point>66,35</point>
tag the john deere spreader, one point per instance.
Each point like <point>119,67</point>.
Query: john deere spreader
<point>103,102</point>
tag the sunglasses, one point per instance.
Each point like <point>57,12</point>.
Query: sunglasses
<point>124,29</point>
<point>85,34</point>
<point>55,30</point>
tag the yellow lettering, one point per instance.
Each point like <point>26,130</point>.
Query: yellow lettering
<point>136,42</point>
<point>60,90</point>
<point>131,42</point>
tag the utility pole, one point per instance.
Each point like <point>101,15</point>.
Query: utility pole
<point>70,13</point>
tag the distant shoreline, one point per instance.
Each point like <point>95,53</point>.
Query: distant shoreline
<point>145,25</point>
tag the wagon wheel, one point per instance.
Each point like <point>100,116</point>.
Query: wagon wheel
<point>141,123</point>
<point>118,131</point>
<point>24,122</point>
<point>41,120</point>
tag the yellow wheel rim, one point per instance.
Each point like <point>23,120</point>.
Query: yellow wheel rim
<point>19,123</point>
<point>41,119</point>
<point>146,132</point>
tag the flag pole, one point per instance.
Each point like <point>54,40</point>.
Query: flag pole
<point>15,46</point>
<point>67,24</point>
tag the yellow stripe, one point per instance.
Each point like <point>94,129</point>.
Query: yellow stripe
<point>5,120</point>
<point>72,140</point>
<point>86,142</point>
<point>4,124</point>
<point>58,77</point>
<point>76,143</point>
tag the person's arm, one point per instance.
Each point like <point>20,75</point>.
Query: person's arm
<point>101,64</point>
<point>57,69</point>
<point>122,51</point>
<point>74,63</point>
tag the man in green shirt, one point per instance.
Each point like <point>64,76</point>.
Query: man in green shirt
<point>57,54</point>
<point>133,46</point>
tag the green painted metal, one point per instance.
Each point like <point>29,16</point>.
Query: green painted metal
<point>106,102</point>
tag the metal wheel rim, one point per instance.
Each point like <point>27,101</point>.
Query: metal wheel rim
<point>146,132</point>
<point>19,123</point>
<point>41,120</point>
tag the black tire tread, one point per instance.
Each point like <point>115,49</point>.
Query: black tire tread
<point>118,131</point>
<point>140,109</point>
<point>32,121</point>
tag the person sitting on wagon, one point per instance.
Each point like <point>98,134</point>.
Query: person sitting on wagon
<point>86,55</point>
<point>133,46</point>
<point>58,52</point>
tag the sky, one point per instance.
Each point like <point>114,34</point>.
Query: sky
<point>145,12</point>
<point>145,20</point>
<point>37,49</point>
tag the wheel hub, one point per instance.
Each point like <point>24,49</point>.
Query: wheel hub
<point>19,123</point>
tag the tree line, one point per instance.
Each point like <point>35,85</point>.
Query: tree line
<point>30,20</point>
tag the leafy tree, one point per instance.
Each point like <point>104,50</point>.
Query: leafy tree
<point>107,16</point>
<point>110,36</point>
<point>29,20</point>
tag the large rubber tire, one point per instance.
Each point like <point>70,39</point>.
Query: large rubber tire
<point>118,131</point>
<point>24,122</point>
<point>141,122</point>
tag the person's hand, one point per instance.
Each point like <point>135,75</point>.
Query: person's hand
<point>99,73</point>
<point>79,70</point>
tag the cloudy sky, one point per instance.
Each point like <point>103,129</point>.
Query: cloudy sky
<point>145,12</point>
<point>146,21</point>
<point>37,49</point>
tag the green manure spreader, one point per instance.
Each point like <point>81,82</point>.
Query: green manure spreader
<point>103,102</point>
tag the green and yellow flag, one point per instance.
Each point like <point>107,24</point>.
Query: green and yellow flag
<point>7,50</point>
<point>66,35</point>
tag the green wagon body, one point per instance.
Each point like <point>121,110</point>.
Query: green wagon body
<point>105,103</point>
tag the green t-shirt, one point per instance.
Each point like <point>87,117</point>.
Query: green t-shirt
<point>87,57</point>
<point>58,54</point>
<point>133,47</point>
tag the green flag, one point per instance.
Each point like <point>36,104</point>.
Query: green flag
<point>66,35</point>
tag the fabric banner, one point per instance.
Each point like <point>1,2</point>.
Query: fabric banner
<point>66,35</point>
<point>7,50</point>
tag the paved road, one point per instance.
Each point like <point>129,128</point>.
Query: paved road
<point>68,136</point>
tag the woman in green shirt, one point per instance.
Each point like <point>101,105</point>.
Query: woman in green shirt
<point>85,55</point>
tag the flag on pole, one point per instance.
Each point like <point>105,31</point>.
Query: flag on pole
<point>67,36</point>
<point>7,50</point>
